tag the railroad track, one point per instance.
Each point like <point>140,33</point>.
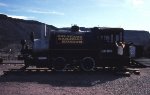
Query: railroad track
<point>126,72</point>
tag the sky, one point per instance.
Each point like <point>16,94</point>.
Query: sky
<point>127,14</point>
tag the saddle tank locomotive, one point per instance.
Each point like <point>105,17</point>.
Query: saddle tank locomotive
<point>74,49</point>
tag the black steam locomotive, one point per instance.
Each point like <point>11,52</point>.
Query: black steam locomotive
<point>72,49</point>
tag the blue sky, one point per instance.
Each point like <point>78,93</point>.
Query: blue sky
<point>128,14</point>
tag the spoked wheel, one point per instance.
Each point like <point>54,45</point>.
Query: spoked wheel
<point>87,64</point>
<point>59,64</point>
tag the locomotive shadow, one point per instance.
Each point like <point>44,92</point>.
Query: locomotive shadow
<point>64,79</point>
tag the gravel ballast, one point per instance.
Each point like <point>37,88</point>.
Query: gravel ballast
<point>73,83</point>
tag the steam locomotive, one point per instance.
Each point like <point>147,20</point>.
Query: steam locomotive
<point>72,49</point>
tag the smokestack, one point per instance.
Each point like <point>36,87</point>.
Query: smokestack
<point>45,30</point>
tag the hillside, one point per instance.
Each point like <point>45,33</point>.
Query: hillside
<point>13,30</point>
<point>138,37</point>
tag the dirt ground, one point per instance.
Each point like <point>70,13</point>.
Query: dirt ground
<point>72,83</point>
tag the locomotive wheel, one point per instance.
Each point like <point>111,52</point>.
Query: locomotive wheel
<point>87,64</point>
<point>59,64</point>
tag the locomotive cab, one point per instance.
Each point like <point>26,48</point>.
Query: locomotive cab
<point>109,38</point>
